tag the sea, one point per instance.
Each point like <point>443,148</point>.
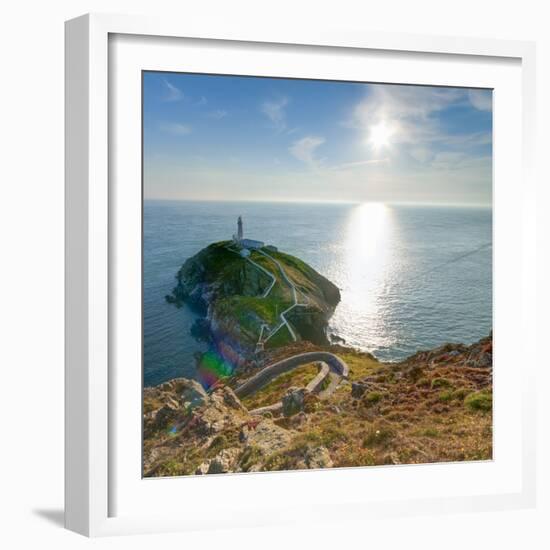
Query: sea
<point>411,277</point>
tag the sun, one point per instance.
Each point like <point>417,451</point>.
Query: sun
<point>380,135</point>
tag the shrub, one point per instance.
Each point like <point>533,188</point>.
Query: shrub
<point>372,397</point>
<point>250,457</point>
<point>379,436</point>
<point>441,383</point>
<point>479,401</point>
<point>415,373</point>
<point>170,468</point>
<point>218,443</point>
<point>461,393</point>
<point>446,396</point>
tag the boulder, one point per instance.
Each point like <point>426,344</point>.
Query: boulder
<point>297,421</point>
<point>293,401</point>
<point>358,389</point>
<point>166,415</point>
<point>192,394</point>
<point>224,461</point>
<point>266,436</point>
<point>202,469</point>
<point>484,360</point>
<point>227,396</point>
<point>315,457</point>
<point>210,420</point>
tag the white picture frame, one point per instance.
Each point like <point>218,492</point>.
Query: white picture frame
<point>93,441</point>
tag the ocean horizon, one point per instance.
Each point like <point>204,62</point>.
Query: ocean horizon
<point>411,277</point>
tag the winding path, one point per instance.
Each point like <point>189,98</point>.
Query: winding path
<point>284,322</point>
<point>336,365</point>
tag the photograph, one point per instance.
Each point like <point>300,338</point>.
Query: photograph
<point>317,274</point>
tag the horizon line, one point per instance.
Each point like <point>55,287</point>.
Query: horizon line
<point>331,201</point>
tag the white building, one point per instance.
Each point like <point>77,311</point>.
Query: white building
<point>251,243</point>
<point>245,243</point>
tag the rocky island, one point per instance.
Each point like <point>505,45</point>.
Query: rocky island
<point>253,299</point>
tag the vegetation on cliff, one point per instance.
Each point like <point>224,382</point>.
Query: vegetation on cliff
<point>434,407</point>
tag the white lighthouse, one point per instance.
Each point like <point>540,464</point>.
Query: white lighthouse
<point>240,229</point>
<point>245,244</point>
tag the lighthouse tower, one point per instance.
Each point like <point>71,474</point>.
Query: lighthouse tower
<point>245,245</point>
<point>240,229</point>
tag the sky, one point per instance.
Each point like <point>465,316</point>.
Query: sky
<point>209,137</point>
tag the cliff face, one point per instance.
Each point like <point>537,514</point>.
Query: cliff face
<point>269,297</point>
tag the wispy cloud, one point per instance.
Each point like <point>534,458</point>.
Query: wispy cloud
<point>422,154</point>
<point>481,99</point>
<point>173,93</point>
<point>218,114</point>
<point>201,101</point>
<point>274,110</point>
<point>360,163</point>
<point>176,128</point>
<point>457,160</point>
<point>465,141</point>
<point>304,150</point>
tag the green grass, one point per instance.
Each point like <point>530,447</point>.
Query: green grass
<point>441,383</point>
<point>171,468</point>
<point>461,393</point>
<point>360,365</point>
<point>373,397</point>
<point>479,401</point>
<point>274,391</point>
<point>378,437</point>
<point>280,338</point>
<point>446,396</point>
<point>251,456</point>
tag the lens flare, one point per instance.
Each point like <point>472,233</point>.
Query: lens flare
<point>213,367</point>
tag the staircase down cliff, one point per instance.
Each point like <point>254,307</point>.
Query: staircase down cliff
<point>263,300</point>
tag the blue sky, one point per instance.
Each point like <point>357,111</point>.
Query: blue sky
<point>237,138</point>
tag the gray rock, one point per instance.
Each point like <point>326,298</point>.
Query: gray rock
<point>293,401</point>
<point>315,457</point>
<point>358,389</point>
<point>166,414</point>
<point>484,360</point>
<point>226,396</point>
<point>224,461</point>
<point>211,420</point>
<point>267,436</point>
<point>298,420</point>
<point>192,394</point>
<point>203,468</point>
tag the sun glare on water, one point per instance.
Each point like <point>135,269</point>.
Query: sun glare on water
<point>366,273</point>
<point>369,232</point>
